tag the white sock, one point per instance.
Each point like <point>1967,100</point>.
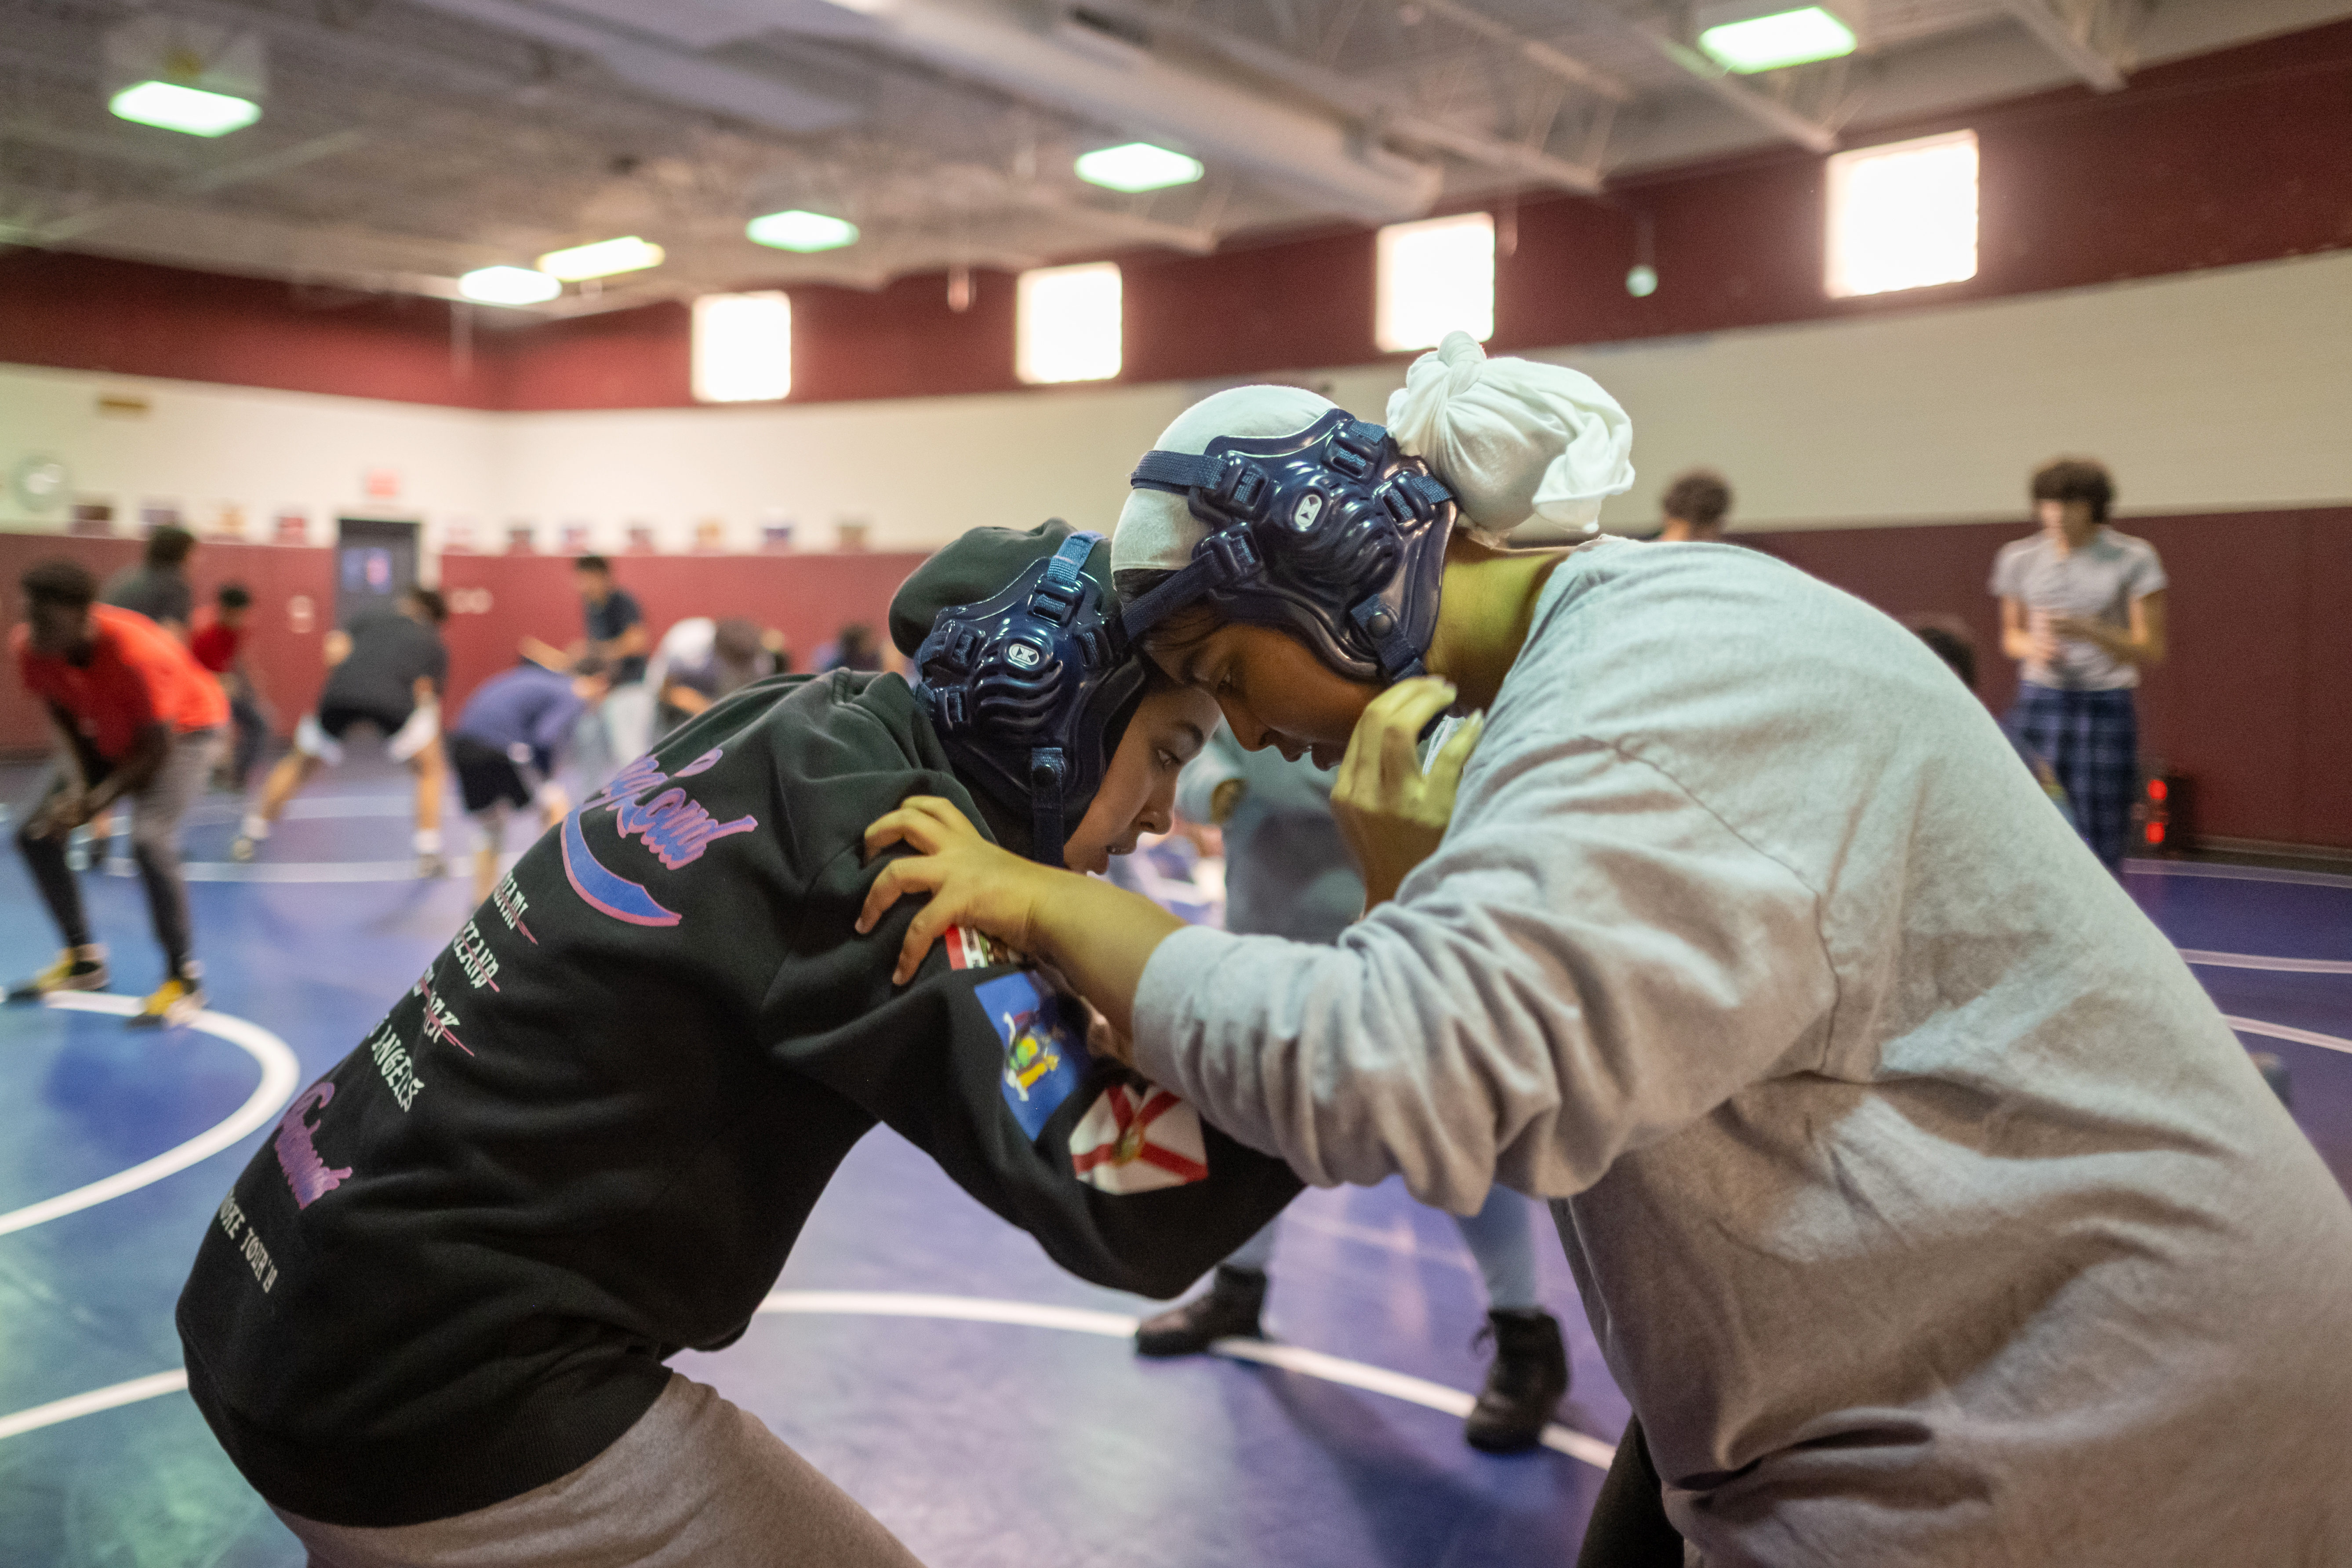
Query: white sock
<point>257,826</point>
<point>428,841</point>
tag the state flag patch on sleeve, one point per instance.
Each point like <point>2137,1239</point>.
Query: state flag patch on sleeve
<point>1044,1055</point>
<point>967,949</point>
<point>1139,1139</point>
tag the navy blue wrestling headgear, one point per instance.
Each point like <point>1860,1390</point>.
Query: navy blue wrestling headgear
<point>1029,687</point>
<point>1332,533</point>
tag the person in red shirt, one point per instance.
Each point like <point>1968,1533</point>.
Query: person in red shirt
<point>136,718</point>
<point>219,647</point>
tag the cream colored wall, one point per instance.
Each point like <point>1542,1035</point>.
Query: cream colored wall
<point>918,470</point>
<point>2216,391</point>
<point>206,448</point>
<point>2212,392</point>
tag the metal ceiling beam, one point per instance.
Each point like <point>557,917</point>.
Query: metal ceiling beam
<point>1106,81</point>
<point>1340,95</point>
<point>664,71</point>
<point>1508,157</point>
<point>1729,89</point>
<point>1131,226</point>
<point>2074,38</point>
<point>205,182</point>
<point>1566,66</point>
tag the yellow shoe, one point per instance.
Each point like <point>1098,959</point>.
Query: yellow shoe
<point>77,969</point>
<point>172,1004</point>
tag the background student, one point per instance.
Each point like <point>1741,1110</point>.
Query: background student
<point>1289,874</point>
<point>134,717</point>
<point>157,587</point>
<point>384,672</point>
<point>220,644</point>
<point>2082,611</point>
<point>508,743</point>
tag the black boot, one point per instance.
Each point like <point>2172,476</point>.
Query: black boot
<point>1524,1387</point>
<point>1230,1309</point>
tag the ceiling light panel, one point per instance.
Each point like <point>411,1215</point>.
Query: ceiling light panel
<point>188,110</point>
<point>602,259</point>
<point>196,78</point>
<point>508,286</point>
<point>801,231</point>
<point>1137,166</point>
<point>1777,40</point>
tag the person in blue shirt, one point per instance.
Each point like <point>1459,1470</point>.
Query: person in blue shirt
<point>1289,874</point>
<point>504,748</point>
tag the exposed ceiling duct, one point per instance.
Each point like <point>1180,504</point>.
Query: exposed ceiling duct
<point>1082,67</point>
<point>657,67</point>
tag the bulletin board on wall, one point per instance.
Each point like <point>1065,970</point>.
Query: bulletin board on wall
<point>293,590</point>
<point>494,601</point>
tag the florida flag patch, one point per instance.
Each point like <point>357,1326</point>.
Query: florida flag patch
<point>1043,1055</point>
<point>1138,1141</point>
<point>967,949</point>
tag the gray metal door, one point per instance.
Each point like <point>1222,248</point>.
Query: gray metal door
<point>375,561</point>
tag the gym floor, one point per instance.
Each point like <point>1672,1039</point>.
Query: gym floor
<point>925,1355</point>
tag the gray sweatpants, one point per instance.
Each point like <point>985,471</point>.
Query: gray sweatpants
<point>156,813</point>
<point>695,1483</point>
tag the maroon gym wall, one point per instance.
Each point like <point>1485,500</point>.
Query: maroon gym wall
<point>498,600</point>
<point>2250,701</point>
<point>290,664</point>
<point>2229,158</point>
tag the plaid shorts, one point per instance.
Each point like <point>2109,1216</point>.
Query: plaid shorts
<point>2092,741</point>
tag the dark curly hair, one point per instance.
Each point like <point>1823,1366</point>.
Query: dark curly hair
<point>1699,497</point>
<point>68,584</point>
<point>2076,478</point>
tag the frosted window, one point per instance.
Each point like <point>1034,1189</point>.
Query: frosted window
<point>1903,216</point>
<point>742,347</point>
<point>1435,276</point>
<point>1069,327</point>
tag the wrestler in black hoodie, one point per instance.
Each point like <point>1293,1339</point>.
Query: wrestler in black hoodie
<point>588,1136</point>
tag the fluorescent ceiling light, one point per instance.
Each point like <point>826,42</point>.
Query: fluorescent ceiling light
<point>601,260</point>
<point>742,347</point>
<point>1433,277</point>
<point>1068,324</point>
<point>1903,216</point>
<point>1784,38</point>
<point>185,108</point>
<point>1137,166</point>
<point>508,286</point>
<point>801,231</point>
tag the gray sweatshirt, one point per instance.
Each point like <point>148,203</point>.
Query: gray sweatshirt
<point>1926,1208</point>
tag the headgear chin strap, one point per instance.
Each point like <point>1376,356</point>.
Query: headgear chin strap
<point>1025,687</point>
<point>1332,533</point>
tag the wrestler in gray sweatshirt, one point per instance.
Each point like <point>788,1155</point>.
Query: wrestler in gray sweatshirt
<point>1926,1207</point>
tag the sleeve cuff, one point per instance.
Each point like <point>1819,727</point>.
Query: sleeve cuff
<point>1163,1045</point>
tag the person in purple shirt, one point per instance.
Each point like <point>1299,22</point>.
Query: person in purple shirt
<point>505,747</point>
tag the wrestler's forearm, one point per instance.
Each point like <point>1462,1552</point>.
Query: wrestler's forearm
<point>1100,937</point>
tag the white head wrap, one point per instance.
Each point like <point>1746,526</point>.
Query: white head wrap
<point>1513,439</point>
